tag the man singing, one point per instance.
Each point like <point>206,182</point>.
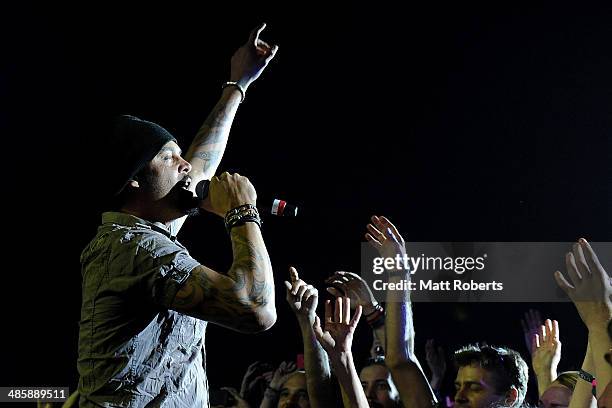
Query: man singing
<point>146,301</point>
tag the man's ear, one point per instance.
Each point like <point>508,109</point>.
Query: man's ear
<point>511,397</point>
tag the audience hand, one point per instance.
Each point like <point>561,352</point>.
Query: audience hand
<point>353,286</point>
<point>436,360</point>
<point>337,335</point>
<point>285,369</point>
<point>590,288</point>
<point>531,324</point>
<point>546,352</point>
<point>302,298</point>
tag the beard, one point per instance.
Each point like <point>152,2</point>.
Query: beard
<point>181,200</point>
<point>186,202</point>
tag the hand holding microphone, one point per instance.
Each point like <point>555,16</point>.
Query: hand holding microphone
<point>221,194</point>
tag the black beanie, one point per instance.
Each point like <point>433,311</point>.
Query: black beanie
<point>134,142</point>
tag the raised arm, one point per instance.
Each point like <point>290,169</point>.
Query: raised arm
<point>531,323</point>
<point>353,286</point>
<point>591,292</point>
<point>242,299</point>
<point>546,354</point>
<point>303,300</point>
<point>582,397</point>
<point>400,358</point>
<point>247,64</point>
<point>436,360</point>
<point>337,339</point>
<point>206,150</point>
<point>272,393</point>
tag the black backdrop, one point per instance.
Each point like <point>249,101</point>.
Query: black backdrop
<point>472,122</point>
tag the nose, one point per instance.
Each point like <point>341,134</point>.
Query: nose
<point>460,396</point>
<point>371,392</point>
<point>184,166</point>
<point>294,399</point>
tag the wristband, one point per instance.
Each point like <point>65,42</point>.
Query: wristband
<point>377,313</point>
<point>376,319</point>
<point>377,308</point>
<point>241,215</point>
<point>237,85</point>
<point>590,379</point>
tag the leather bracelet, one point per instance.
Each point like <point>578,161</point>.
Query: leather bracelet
<point>230,220</point>
<point>237,85</point>
<point>240,208</point>
<point>377,308</point>
<point>241,215</point>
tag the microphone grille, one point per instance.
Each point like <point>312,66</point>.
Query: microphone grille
<point>201,189</point>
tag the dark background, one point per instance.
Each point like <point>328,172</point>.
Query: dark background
<point>459,122</point>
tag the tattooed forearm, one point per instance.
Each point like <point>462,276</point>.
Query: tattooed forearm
<point>213,156</point>
<point>251,265</point>
<point>259,293</point>
<point>208,156</point>
<point>214,125</point>
<point>210,141</point>
<point>242,299</point>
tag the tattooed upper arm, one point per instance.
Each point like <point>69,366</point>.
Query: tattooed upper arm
<point>217,298</point>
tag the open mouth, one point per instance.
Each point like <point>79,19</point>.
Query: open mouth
<point>184,183</point>
<point>186,200</point>
<point>374,404</point>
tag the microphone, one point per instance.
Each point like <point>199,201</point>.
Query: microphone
<point>279,208</point>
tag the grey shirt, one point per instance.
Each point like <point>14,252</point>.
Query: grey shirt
<point>133,350</point>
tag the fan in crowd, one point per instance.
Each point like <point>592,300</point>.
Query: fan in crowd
<point>486,376</point>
